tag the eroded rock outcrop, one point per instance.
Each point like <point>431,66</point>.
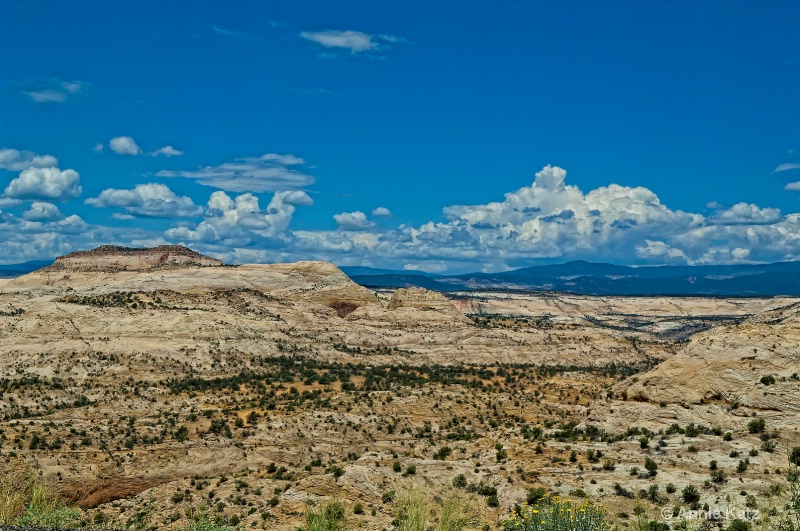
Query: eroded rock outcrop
<point>422,299</point>
<point>721,378</point>
<point>173,267</point>
<point>755,364</point>
<point>414,305</point>
<point>111,258</point>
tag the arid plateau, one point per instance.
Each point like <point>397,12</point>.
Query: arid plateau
<point>148,386</point>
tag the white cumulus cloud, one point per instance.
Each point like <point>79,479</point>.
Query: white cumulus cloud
<point>6,202</point>
<point>43,233</point>
<point>747,213</point>
<point>547,219</point>
<point>297,197</point>
<point>740,254</point>
<point>16,160</point>
<point>382,212</point>
<point>167,151</point>
<point>124,145</point>
<point>240,222</point>
<point>45,183</point>
<point>151,200</point>
<point>660,251</point>
<point>41,211</point>
<point>353,221</point>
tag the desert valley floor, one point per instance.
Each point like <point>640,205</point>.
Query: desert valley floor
<point>150,387</point>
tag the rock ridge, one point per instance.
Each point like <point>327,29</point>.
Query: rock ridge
<point>113,258</point>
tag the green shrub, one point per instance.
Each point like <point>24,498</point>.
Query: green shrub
<point>649,525</point>
<point>690,494</point>
<point>742,466</point>
<point>182,433</point>
<point>738,525</point>
<point>794,456</point>
<point>718,476</point>
<point>535,494</point>
<point>556,514</point>
<point>756,425</point>
<point>460,481</point>
<point>652,493</point>
<point>650,466</point>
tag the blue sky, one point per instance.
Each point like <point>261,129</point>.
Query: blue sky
<point>417,135</point>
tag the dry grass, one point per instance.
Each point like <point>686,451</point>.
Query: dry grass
<point>27,499</point>
<point>457,513</point>
<point>414,510</point>
<point>419,510</point>
<point>329,517</point>
<point>14,486</point>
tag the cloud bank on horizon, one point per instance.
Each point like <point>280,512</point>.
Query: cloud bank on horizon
<point>549,220</point>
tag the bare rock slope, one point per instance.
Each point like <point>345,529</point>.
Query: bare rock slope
<point>751,364</point>
<point>721,377</point>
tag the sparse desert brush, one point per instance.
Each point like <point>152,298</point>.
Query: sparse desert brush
<point>557,514</point>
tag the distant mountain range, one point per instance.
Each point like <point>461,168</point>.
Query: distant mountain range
<point>579,277</point>
<point>588,278</point>
<point>15,270</point>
